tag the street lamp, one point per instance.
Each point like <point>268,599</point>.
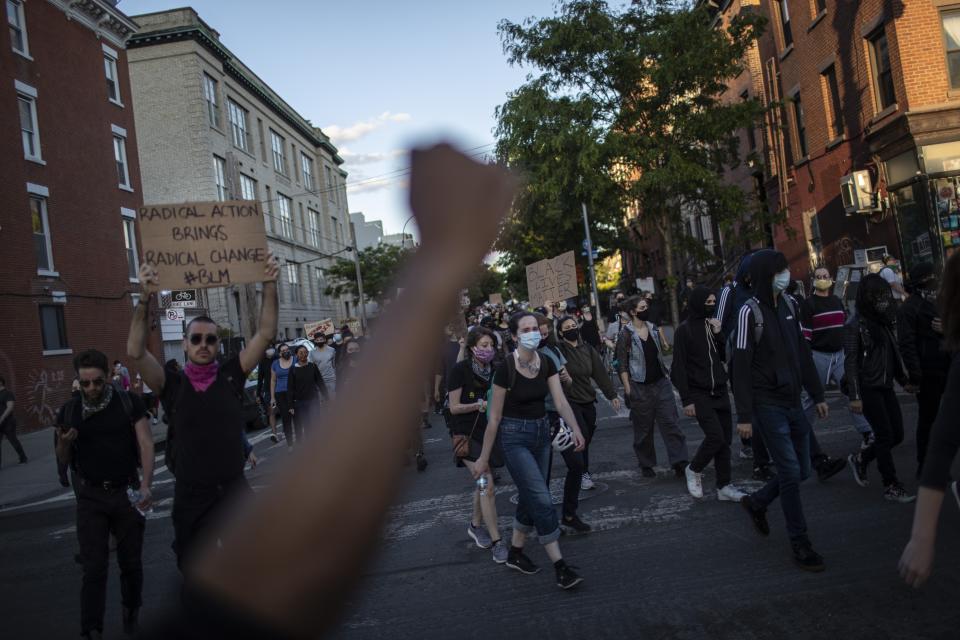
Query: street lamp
<point>403,235</point>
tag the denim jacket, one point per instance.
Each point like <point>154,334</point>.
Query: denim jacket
<point>630,352</point>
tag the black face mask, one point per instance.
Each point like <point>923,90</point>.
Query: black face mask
<point>642,315</point>
<point>709,309</point>
<point>285,355</point>
<point>571,335</point>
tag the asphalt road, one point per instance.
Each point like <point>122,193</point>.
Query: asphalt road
<point>659,564</point>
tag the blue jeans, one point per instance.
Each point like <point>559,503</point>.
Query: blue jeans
<point>786,433</point>
<point>526,451</point>
<point>830,367</point>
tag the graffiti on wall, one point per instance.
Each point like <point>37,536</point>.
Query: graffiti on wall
<point>46,390</point>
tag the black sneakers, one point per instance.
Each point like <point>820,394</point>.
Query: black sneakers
<point>763,474</point>
<point>648,472</point>
<point>517,560</point>
<point>828,467</point>
<point>131,623</point>
<point>680,469</point>
<point>806,558</point>
<point>758,515</point>
<point>421,462</point>
<point>859,468</point>
<point>567,578</point>
<point>576,524</point>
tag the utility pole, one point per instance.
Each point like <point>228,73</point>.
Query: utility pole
<point>356,262</point>
<point>595,303</point>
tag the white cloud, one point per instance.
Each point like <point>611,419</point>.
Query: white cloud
<point>378,185</point>
<point>359,129</point>
<point>352,159</point>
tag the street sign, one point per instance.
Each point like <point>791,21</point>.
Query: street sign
<point>175,313</point>
<point>183,298</point>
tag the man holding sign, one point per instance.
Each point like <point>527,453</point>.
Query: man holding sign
<point>205,441</point>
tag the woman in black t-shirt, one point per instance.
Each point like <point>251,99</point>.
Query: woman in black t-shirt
<point>467,385</point>
<point>304,387</point>
<point>518,422</point>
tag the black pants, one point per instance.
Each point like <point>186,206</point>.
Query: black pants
<point>303,414</point>
<point>586,415</point>
<point>716,421</point>
<point>100,513</point>
<point>882,411</point>
<point>574,461</point>
<point>928,401</point>
<point>286,419</point>
<point>198,509</point>
<point>9,430</point>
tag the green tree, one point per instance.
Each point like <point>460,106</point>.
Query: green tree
<point>379,266</point>
<point>488,280</point>
<point>630,101</point>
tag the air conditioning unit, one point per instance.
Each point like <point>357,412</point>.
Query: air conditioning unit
<point>856,190</point>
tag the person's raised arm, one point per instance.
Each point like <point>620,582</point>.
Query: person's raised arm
<point>326,533</point>
<point>267,327</point>
<point>150,369</point>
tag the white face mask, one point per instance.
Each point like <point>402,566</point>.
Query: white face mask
<point>530,340</point>
<point>271,353</point>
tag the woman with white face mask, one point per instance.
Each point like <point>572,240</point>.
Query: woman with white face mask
<point>518,420</point>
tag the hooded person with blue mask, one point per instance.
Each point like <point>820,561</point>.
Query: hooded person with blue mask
<point>772,363</point>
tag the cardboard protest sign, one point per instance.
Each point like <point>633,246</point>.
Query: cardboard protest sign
<point>355,328</point>
<point>496,298</point>
<point>311,329</point>
<point>554,279</point>
<point>204,244</point>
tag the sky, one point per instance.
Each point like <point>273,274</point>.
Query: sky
<point>377,76</point>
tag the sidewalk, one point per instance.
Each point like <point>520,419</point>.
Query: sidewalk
<point>37,479</point>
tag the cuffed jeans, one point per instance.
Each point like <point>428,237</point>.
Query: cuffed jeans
<point>526,451</point>
<point>716,420</point>
<point>654,404</point>
<point>786,432</point>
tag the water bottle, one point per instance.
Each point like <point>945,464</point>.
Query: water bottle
<point>134,497</point>
<point>482,483</point>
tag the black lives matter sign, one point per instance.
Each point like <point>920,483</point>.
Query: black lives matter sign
<point>204,244</point>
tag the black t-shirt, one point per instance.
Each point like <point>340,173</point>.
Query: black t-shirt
<point>651,355</point>
<point>473,388</point>
<point>6,396</point>
<point>106,445</point>
<point>525,400</point>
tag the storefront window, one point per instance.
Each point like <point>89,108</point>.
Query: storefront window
<point>945,193</point>
<point>914,226</point>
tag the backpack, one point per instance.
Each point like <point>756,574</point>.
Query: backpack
<point>754,305</point>
<point>75,402</point>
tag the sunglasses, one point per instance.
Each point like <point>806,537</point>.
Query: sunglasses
<point>96,383</point>
<point>210,339</point>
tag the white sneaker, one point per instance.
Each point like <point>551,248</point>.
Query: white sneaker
<point>586,482</point>
<point>694,482</point>
<point>730,494</point>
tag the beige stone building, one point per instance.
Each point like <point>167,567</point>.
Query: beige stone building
<point>210,129</point>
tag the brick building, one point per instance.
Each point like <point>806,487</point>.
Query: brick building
<point>70,188</point>
<point>871,98</point>
<point>210,129</point>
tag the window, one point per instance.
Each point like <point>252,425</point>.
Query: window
<point>950,21</point>
<point>219,173</point>
<point>800,127</point>
<point>263,145</point>
<point>820,6</point>
<point>52,327</point>
<point>130,244</point>
<point>29,128</point>
<point>751,134</point>
<point>293,277</point>
<point>210,95</point>
<point>785,23</point>
<point>110,71</point>
<point>329,183</point>
<point>248,188</point>
<point>238,125</point>
<point>334,227</point>
<point>833,98</point>
<point>882,75</point>
<point>306,166</point>
<point>120,155</point>
<point>314,224</point>
<point>286,218</point>
<point>18,27</point>
<point>277,148</point>
<point>41,234</point>
<point>321,284</point>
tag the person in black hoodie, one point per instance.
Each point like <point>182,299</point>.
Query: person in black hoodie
<point>872,363</point>
<point>920,333</point>
<point>772,364</point>
<point>699,375</point>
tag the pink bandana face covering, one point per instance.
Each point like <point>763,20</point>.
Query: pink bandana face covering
<point>201,376</point>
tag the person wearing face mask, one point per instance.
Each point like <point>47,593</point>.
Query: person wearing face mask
<point>264,375</point>
<point>349,361</point>
<point>873,363</point>
<point>920,334</point>
<point>618,301</point>
<point>585,367</point>
<point>822,317</point>
<point>891,273</point>
<point>467,386</point>
<point>701,379</point>
<point>305,385</point>
<point>648,392</point>
<point>279,399</point>
<point>325,356</point>
<point>772,364</point>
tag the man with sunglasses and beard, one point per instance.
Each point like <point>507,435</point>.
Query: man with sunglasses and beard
<point>104,435</point>
<point>205,400</point>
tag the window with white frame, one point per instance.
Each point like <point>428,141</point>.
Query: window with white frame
<point>248,188</point>
<point>306,167</point>
<point>219,177</point>
<point>53,327</point>
<point>110,71</point>
<point>130,244</point>
<point>293,278</point>
<point>313,219</point>
<point>284,209</point>
<point>210,96</point>
<point>277,147</point>
<point>238,125</point>
<point>120,155</point>
<point>29,126</point>
<point>42,244</point>
<point>18,27</point>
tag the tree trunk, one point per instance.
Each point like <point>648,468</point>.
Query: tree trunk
<point>666,232</point>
